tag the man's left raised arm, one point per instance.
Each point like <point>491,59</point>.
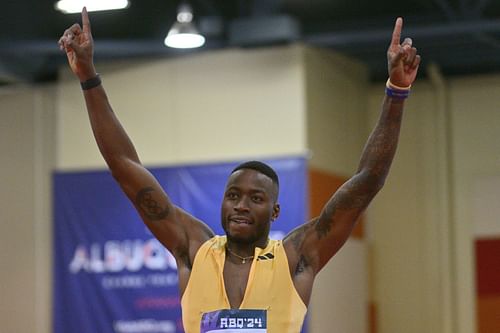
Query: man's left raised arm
<point>318,240</point>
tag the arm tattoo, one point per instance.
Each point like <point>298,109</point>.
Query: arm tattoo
<point>299,235</point>
<point>301,265</point>
<point>324,223</point>
<point>354,194</point>
<point>381,146</point>
<point>149,206</point>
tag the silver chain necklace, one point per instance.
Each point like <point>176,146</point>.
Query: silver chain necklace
<point>243,259</point>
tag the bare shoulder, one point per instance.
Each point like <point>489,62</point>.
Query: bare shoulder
<point>196,232</point>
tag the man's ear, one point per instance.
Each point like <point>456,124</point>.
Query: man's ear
<point>276,211</point>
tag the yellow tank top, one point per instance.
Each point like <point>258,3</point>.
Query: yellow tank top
<point>269,288</point>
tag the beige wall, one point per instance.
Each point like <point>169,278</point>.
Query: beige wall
<point>26,147</point>
<point>336,110</point>
<point>214,106</point>
<point>17,213</point>
<point>409,225</point>
<point>475,156</point>
<point>420,226</point>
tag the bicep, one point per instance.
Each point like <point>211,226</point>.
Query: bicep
<point>177,230</point>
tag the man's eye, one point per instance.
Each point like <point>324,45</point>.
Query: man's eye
<point>231,195</point>
<point>257,199</point>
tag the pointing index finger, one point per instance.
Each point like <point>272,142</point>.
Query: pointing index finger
<point>396,34</point>
<point>85,20</point>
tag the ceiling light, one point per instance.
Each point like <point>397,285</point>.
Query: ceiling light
<point>75,6</point>
<point>183,34</point>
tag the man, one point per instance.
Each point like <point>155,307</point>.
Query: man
<point>244,279</point>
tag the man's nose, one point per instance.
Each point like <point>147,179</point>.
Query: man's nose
<point>241,204</point>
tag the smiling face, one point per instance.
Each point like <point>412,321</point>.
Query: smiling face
<point>248,207</point>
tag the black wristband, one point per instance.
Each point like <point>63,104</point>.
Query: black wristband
<point>91,83</point>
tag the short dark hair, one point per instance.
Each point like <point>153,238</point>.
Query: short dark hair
<point>260,167</point>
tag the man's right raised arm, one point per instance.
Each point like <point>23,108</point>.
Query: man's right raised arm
<point>177,230</point>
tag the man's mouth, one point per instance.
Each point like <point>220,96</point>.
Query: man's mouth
<point>240,220</point>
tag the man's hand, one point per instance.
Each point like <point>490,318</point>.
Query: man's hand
<point>79,48</point>
<point>402,59</point>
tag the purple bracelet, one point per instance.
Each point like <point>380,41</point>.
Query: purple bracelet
<point>399,94</point>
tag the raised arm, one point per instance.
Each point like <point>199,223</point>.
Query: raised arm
<point>178,231</point>
<point>313,244</point>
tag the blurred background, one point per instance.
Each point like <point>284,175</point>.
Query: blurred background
<point>275,79</point>
<point>461,36</point>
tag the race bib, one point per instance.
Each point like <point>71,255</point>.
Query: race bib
<point>234,321</point>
